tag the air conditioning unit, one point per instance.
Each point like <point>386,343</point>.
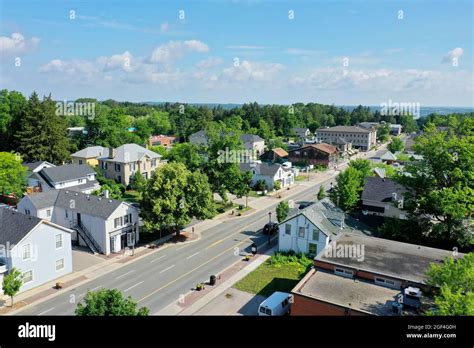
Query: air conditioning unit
<point>412,297</point>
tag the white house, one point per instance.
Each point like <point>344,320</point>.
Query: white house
<point>270,173</point>
<point>39,249</point>
<point>383,197</point>
<point>309,230</point>
<point>78,177</point>
<point>104,225</point>
<point>253,143</point>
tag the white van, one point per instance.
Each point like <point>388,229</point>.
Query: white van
<point>277,304</point>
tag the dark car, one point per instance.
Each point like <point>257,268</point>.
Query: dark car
<point>270,228</point>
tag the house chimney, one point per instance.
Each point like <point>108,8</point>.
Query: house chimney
<point>106,193</point>
<point>111,152</point>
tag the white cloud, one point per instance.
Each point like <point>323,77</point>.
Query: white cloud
<point>174,50</point>
<point>118,61</point>
<point>17,43</point>
<point>79,67</point>
<point>208,63</point>
<point>453,54</point>
<point>251,71</point>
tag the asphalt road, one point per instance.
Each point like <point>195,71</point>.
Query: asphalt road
<point>159,279</point>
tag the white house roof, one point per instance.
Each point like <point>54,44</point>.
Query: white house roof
<point>388,156</point>
<point>130,153</point>
<point>90,152</point>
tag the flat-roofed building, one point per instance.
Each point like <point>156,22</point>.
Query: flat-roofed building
<point>360,138</point>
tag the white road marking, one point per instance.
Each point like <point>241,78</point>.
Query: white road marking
<point>96,288</point>
<point>167,269</point>
<point>123,275</point>
<point>192,255</point>
<point>49,310</point>
<point>133,286</point>
<point>158,258</point>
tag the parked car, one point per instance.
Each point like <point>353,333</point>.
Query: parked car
<point>270,228</point>
<point>276,305</point>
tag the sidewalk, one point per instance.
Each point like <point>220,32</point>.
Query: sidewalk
<point>194,300</point>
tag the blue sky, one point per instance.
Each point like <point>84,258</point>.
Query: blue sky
<point>341,52</point>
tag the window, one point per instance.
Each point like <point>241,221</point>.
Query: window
<point>315,234</point>
<point>130,218</point>
<point>59,264</point>
<point>59,241</point>
<point>80,161</point>
<point>48,213</point>
<point>343,272</point>
<point>125,219</point>
<point>27,212</point>
<point>66,213</point>
<point>27,277</point>
<point>301,232</point>
<point>80,181</point>
<point>117,222</point>
<point>313,248</point>
<point>384,282</point>
<point>117,167</point>
<point>26,252</point>
<point>153,163</point>
<point>287,228</point>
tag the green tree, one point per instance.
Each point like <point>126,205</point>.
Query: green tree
<point>282,211</point>
<point>441,185</point>
<point>364,168</point>
<point>383,132</point>
<point>455,281</point>
<point>396,145</point>
<point>41,133</point>
<point>244,189</point>
<point>187,154</point>
<point>348,188</point>
<point>172,196</point>
<point>12,283</point>
<point>321,192</point>
<point>159,149</point>
<point>12,174</point>
<point>109,302</point>
<point>137,181</point>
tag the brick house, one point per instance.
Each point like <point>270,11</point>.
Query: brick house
<point>316,154</point>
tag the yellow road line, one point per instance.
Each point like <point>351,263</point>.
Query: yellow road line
<point>215,243</point>
<point>194,269</point>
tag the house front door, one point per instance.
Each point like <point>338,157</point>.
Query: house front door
<point>79,219</point>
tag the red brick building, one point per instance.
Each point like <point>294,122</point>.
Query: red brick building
<point>316,154</point>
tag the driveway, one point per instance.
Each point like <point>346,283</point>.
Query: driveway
<point>82,259</point>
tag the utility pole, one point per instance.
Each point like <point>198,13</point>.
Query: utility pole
<point>269,232</point>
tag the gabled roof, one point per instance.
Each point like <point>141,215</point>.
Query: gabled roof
<point>388,156</point>
<point>87,204</point>
<point>14,226</point>
<point>345,129</point>
<point>328,217</point>
<point>34,165</point>
<point>130,153</point>
<point>90,152</point>
<point>67,172</point>
<point>43,199</point>
<point>381,189</point>
<point>264,168</point>
<point>250,138</point>
<point>380,172</point>
<point>326,148</point>
<point>280,152</point>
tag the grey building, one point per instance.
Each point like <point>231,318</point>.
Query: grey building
<point>360,138</point>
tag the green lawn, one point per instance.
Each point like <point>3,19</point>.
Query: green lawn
<point>301,177</point>
<point>131,196</point>
<point>274,276</point>
<point>254,194</point>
